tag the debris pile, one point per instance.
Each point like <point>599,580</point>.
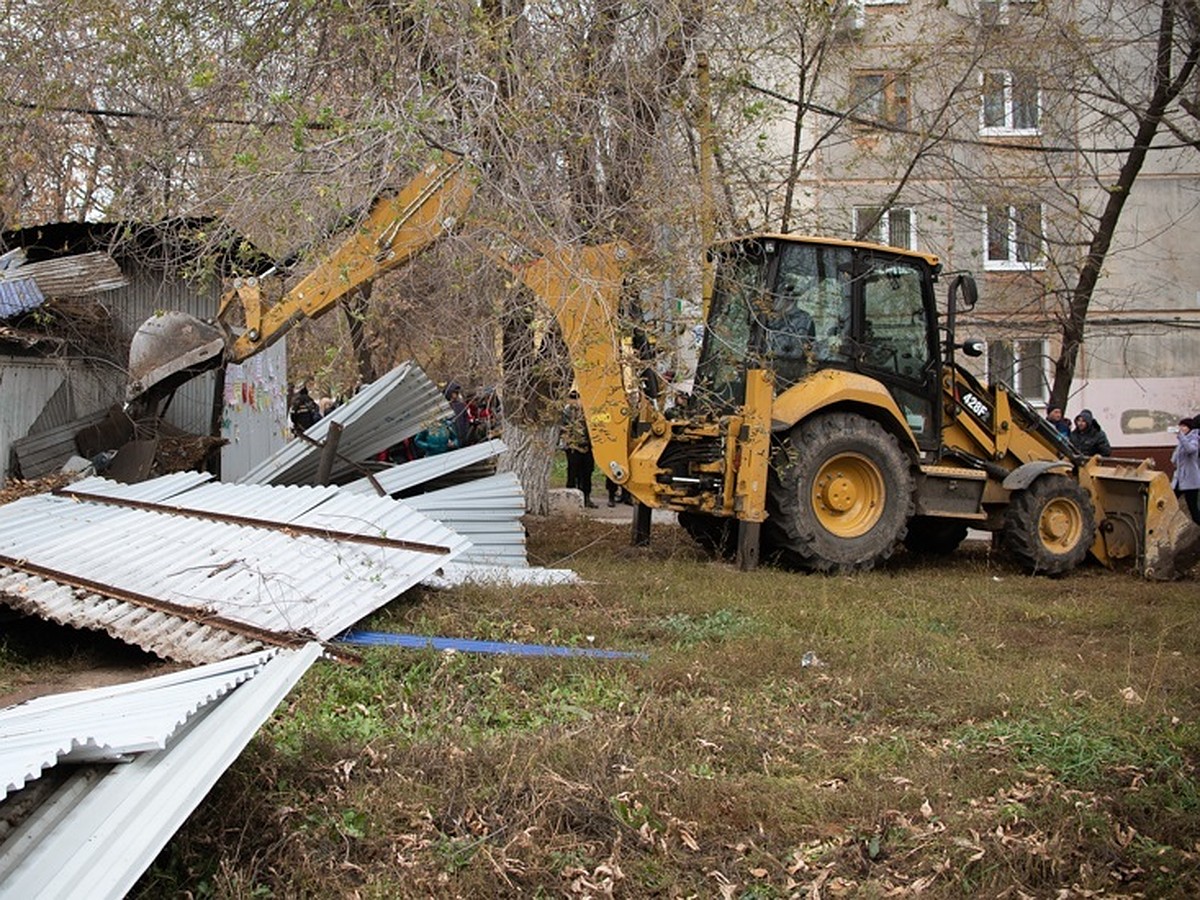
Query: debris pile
<point>224,577</point>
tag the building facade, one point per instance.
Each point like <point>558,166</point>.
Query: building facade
<point>992,133</point>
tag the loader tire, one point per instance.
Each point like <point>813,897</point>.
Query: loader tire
<point>840,494</point>
<point>1050,526</point>
<point>716,534</point>
<point>934,536</point>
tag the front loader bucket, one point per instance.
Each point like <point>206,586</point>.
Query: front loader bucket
<point>170,348</point>
<point>1140,518</point>
<point>1172,543</point>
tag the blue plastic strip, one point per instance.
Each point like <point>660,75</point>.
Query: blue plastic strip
<point>465,645</point>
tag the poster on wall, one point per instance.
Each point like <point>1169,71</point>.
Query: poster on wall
<point>1138,412</point>
<point>255,415</point>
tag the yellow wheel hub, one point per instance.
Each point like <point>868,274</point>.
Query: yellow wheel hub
<point>848,495</point>
<point>1060,525</point>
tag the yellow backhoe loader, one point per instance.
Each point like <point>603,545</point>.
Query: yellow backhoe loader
<point>829,421</point>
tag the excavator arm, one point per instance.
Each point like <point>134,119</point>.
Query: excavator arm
<point>579,285</point>
<point>170,348</point>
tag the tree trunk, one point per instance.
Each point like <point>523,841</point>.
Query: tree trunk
<point>530,455</point>
<point>355,307</point>
<point>1166,89</point>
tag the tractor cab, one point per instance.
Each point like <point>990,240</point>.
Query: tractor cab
<point>798,306</point>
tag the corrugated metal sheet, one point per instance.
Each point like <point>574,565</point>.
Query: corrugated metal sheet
<point>18,296</point>
<point>408,475</point>
<point>255,418</point>
<point>243,557</point>
<point>488,512</point>
<point>77,275</point>
<point>108,724</point>
<point>26,386</point>
<point>101,829</point>
<point>395,407</point>
<point>171,637</point>
<point>47,451</point>
<point>39,395</point>
<point>58,409</point>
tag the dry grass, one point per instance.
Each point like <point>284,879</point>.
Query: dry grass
<point>960,729</point>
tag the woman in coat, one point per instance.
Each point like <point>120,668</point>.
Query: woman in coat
<point>1186,459</point>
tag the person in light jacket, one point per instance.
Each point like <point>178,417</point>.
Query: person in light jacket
<point>1186,460</point>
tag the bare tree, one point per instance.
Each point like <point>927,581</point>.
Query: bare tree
<point>1135,95</point>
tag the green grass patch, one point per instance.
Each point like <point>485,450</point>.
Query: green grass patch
<point>954,727</point>
<point>1084,751</point>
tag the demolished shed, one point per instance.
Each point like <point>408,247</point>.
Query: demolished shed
<point>64,364</point>
<point>193,569</point>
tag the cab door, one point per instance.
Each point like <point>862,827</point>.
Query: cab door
<point>895,337</point>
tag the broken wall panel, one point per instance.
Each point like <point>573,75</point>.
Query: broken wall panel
<point>107,724</point>
<point>247,558</point>
<point>488,512</point>
<point>103,827</point>
<point>399,405</point>
<point>45,452</point>
<point>410,475</point>
<point>29,386</point>
<point>171,637</point>
<point>79,275</point>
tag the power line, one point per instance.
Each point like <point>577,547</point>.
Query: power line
<point>875,124</point>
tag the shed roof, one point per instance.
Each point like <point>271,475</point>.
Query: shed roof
<point>153,560</point>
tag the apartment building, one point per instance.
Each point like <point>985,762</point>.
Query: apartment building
<point>991,132</point>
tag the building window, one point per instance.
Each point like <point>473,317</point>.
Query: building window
<point>1013,237</point>
<point>895,227</point>
<point>1000,12</point>
<point>1011,103</point>
<point>1023,366</point>
<point>880,97</point>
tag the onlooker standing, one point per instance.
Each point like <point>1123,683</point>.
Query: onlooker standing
<point>578,446</point>
<point>304,412</point>
<point>459,421</point>
<point>617,493</point>
<point>1186,460</point>
<point>1054,415</point>
<point>1088,438</point>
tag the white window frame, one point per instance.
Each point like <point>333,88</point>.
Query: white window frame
<point>1007,128</point>
<point>885,224</point>
<point>1011,263</point>
<point>1019,350</point>
<point>1003,10</point>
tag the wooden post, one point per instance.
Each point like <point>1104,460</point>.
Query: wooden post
<point>329,453</point>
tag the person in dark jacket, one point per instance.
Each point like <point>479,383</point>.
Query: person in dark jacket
<point>1088,438</point>
<point>1054,415</point>
<point>578,446</point>
<point>459,419</point>
<point>304,413</point>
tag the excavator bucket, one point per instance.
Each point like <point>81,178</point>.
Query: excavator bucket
<point>170,348</point>
<point>1140,518</point>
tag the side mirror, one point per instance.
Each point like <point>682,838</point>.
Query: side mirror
<point>973,348</point>
<point>963,292</point>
